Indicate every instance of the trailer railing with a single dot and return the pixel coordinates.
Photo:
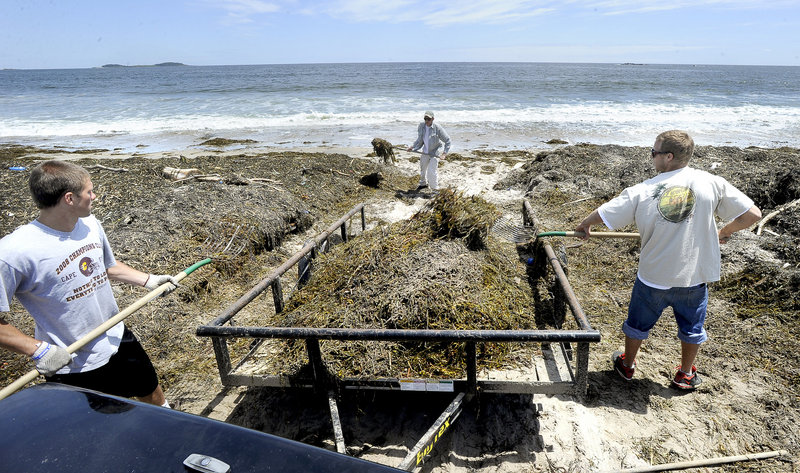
(561, 371)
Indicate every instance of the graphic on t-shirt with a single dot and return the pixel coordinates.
(86, 266)
(676, 203)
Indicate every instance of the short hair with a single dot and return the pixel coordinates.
(679, 143)
(50, 180)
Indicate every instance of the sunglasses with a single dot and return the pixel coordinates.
(427, 118)
(654, 153)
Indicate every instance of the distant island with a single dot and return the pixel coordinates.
(154, 65)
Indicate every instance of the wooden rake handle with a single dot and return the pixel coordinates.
(591, 235)
(412, 151)
(403, 148)
(103, 328)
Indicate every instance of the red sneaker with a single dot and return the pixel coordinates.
(686, 381)
(619, 366)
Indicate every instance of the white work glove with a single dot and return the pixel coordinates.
(156, 280)
(50, 358)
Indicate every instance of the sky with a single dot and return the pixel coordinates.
(40, 34)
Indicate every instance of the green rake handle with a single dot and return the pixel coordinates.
(105, 326)
(591, 235)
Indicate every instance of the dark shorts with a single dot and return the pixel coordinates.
(128, 373)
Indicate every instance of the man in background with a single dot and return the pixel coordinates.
(435, 144)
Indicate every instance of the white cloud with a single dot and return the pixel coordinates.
(448, 12)
(245, 7)
(242, 11)
(373, 10)
(437, 12)
(623, 7)
(479, 11)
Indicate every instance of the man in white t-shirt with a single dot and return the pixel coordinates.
(59, 267)
(680, 252)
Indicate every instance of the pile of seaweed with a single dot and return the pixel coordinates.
(600, 172)
(441, 269)
(162, 225)
(761, 273)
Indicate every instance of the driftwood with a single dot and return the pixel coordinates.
(236, 180)
(201, 178)
(105, 168)
(576, 201)
(772, 215)
(263, 179)
(177, 174)
(706, 462)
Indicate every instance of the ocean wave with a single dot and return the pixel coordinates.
(601, 122)
(589, 115)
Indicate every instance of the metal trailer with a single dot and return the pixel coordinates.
(562, 370)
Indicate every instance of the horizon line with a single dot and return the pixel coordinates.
(168, 64)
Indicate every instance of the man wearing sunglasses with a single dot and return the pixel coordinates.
(680, 247)
(433, 140)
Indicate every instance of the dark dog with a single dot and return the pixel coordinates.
(383, 149)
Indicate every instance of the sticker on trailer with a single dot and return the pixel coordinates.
(412, 385)
(439, 385)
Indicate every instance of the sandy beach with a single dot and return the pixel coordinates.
(749, 401)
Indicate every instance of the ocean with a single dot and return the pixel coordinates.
(496, 106)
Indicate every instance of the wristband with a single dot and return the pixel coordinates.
(44, 350)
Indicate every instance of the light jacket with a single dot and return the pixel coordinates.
(438, 136)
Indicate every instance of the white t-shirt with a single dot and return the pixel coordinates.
(426, 139)
(60, 278)
(674, 213)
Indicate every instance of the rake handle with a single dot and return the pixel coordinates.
(406, 149)
(591, 235)
(102, 328)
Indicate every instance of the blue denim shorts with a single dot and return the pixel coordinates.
(647, 304)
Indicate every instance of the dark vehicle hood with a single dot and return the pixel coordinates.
(52, 427)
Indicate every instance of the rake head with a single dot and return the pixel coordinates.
(226, 240)
(508, 230)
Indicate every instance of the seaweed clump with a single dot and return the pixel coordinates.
(384, 150)
(220, 142)
(438, 270)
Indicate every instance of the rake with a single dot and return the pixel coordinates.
(226, 247)
(591, 235)
(104, 327)
(224, 241)
(508, 230)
